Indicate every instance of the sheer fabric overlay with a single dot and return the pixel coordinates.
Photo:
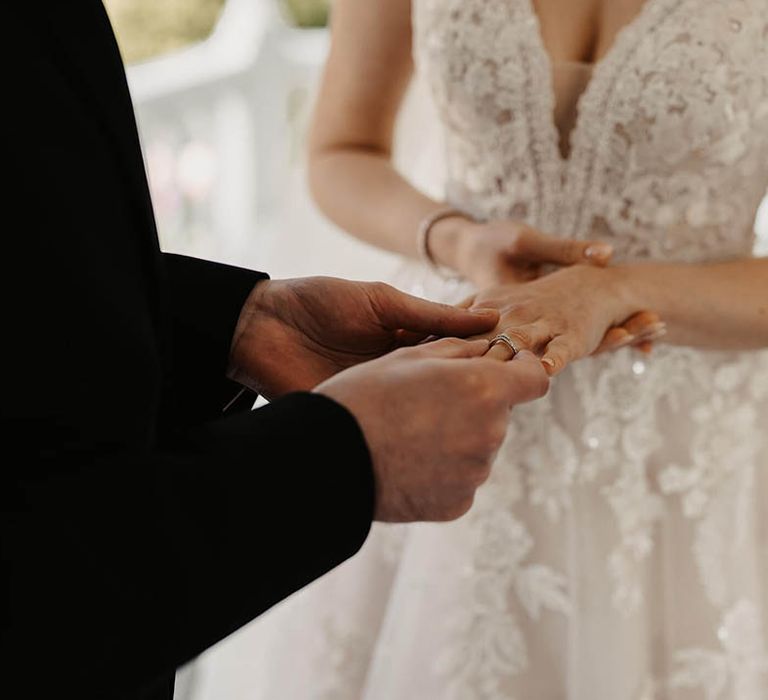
(620, 549)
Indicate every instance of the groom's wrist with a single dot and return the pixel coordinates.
(255, 304)
(257, 309)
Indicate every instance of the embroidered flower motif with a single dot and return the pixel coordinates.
(487, 644)
(739, 666)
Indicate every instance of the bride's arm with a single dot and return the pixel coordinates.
(350, 170)
(351, 173)
(717, 306)
(564, 315)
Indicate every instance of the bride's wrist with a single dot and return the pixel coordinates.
(633, 288)
(630, 284)
(447, 238)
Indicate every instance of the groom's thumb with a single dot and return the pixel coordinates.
(397, 309)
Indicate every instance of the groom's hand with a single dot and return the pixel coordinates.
(294, 334)
(434, 417)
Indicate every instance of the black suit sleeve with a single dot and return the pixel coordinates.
(120, 567)
(134, 537)
(204, 302)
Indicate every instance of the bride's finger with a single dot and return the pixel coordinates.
(501, 351)
(535, 246)
(649, 336)
(615, 339)
(522, 338)
(559, 354)
(643, 326)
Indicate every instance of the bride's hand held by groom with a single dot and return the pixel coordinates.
(433, 414)
(569, 314)
(294, 334)
(500, 255)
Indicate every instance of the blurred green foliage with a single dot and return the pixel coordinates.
(308, 13)
(148, 28)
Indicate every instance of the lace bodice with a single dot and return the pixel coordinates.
(669, 154)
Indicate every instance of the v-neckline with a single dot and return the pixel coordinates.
(599, 70)
(570, 178)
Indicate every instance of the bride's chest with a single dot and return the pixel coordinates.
(702, 64)
(583, 30)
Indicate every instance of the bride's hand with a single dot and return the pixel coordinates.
(506, 252)
(569, 314)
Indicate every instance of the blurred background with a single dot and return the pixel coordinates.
(223, 91)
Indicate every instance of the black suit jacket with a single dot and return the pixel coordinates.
(139, 524)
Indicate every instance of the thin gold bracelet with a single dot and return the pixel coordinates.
(422, 240)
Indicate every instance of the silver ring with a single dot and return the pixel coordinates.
(504, 338)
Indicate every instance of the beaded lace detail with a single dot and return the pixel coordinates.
(668, 154)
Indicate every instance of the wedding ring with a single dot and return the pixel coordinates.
(506, 340)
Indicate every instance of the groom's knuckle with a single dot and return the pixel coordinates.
(471, 444)
(487, 392)
(483, 473)
(483, 449)
(381, 287)
(381, 292)
(540, 385)
(496, 433)
(459, 507)
(471, 381)
(535, 384)
(471, 474)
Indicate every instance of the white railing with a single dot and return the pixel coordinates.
(222, 127)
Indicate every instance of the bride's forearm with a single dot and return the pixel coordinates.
(715, 305)
(360, 191)
(366, 77)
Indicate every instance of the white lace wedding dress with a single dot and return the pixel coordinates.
(620, 550)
